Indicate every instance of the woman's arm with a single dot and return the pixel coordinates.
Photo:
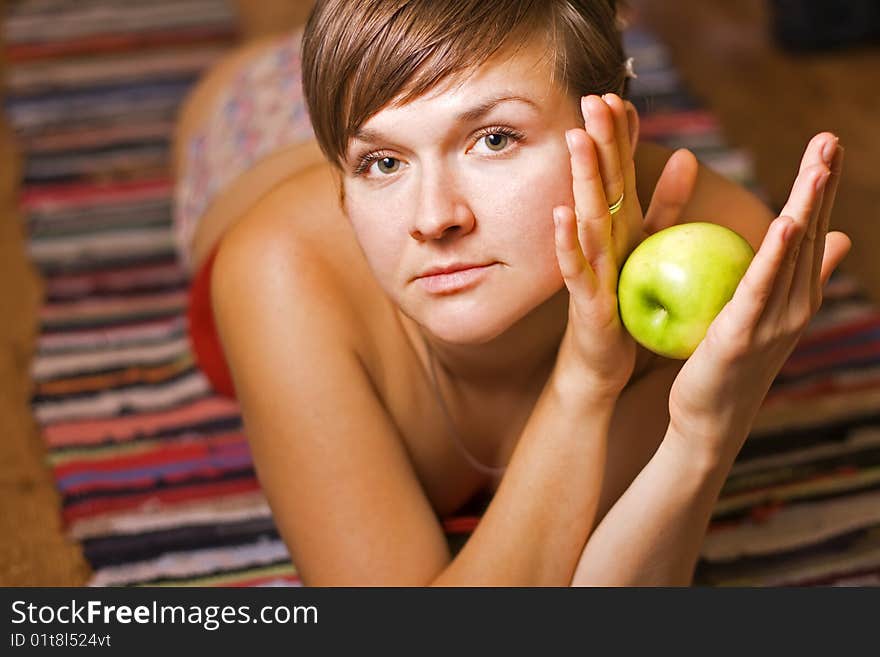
(652, 536)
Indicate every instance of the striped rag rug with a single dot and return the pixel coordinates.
(154, 470)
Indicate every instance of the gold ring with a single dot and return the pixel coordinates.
(612, 209)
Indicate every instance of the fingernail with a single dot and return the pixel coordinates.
(828, 150)
(569, 138)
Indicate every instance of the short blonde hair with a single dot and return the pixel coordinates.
(360, 55)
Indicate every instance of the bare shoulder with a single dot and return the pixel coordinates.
(296, 235)
(716, 198)
(279, 243)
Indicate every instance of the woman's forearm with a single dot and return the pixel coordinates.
(534, 530)
(653, 534)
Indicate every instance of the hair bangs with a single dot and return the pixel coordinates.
(360, 56)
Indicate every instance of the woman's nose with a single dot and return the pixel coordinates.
(441, 210)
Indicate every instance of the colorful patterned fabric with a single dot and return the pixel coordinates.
(262, 111)
(153, 468)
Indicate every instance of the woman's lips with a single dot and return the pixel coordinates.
(455, 281)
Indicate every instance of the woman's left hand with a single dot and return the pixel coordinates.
(719, 390)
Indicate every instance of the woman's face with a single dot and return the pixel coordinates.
(469, 173)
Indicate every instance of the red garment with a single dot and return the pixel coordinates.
(203, 338)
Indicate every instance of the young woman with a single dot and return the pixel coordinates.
(418, 307)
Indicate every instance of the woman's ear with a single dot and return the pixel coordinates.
(632, 119)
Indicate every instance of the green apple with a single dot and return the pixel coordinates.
(675, 283)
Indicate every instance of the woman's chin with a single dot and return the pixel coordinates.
(480, 321)
(474, 328)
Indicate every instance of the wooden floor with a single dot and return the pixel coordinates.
(33, 550)
(768, 101)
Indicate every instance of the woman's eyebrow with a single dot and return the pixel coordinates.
(478, 112)
(467, 116)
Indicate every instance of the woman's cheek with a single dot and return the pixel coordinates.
(540, 188)
(545, 171)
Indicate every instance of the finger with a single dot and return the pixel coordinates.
(756, 287)
(817, 157)
(837, 246)
(626, 165)
(802, 200)
(600, 125)
(590, 206)
(779, 300)
(822, 150)
(801, 206)
(624, 234)
(576, 271)
(804, 288)
(673, 192)
(813, 153)
(825, 222)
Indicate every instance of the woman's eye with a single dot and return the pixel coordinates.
(388, 165)
(496, 141)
